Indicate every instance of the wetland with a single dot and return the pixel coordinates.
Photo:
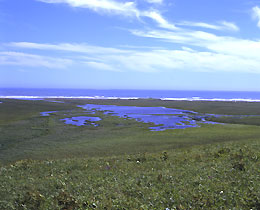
(46, 163)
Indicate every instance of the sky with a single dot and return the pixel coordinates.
(130, 44)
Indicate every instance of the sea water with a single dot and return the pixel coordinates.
(31, 93)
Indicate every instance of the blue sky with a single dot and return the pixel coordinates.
(127, 44)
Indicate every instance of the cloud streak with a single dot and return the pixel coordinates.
(110, 6)
(128, 9)
(79, 48)
(32, 60)
(100, 66)
(222, 26)
(217, 59)
(155, 1)
(256, 14)
(210, 42)
(157, 17)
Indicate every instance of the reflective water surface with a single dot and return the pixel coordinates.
(81, 120)
(47, 113)
(163, 118)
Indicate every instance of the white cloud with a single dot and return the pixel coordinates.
(155, 1)
(129, 9)
(198, 24)
(80, 48)
(220, 54)
(222, 26)
(210, 42)
(114, 7)
(256, 14)
(100, 66)
(157, 17)
(31, 60)
(229, 26)
(172, 60)
(119, 8)
(183, 36)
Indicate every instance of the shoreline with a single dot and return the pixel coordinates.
(130, 98)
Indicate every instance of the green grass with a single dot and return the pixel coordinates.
(121, 164)
(219, 176)
(14, 110)
(251, 120)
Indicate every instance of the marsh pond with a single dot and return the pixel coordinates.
(162, 118)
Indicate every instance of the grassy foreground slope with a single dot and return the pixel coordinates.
(46, 164)
(219, 176)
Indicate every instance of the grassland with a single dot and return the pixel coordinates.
(120, 164)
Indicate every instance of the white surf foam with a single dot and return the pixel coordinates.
(129, 98)
(211, 99)
(67, 97)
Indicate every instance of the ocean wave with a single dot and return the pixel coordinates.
(211, 99)
(66, 97)
(130, 98)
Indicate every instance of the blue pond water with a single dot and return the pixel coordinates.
(163, 118)
(81, 120)
(47, 113)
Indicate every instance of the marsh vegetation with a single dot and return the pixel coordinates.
(121, 164)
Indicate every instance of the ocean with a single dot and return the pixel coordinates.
(33, 93)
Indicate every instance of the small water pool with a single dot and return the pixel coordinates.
(81, 120)
(47, 113)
